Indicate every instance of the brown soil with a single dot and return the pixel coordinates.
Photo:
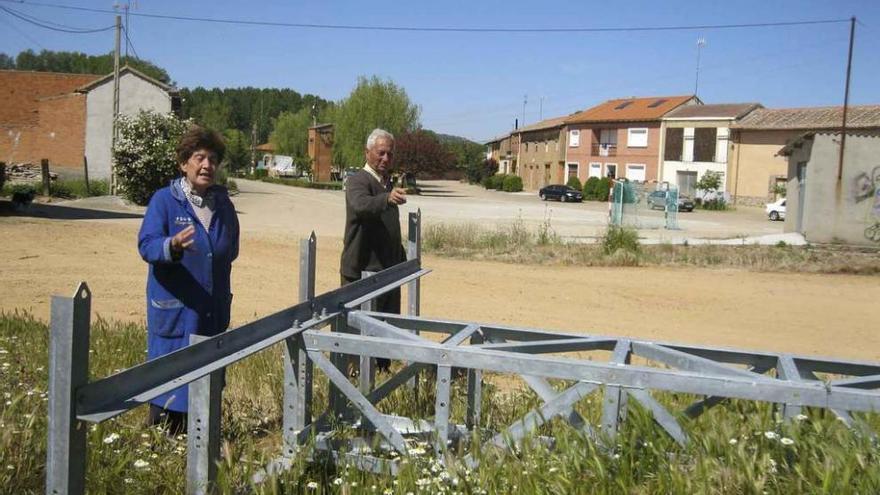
(830, 315)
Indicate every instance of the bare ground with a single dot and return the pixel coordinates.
(827, 315)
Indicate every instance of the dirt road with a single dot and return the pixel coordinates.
(830, 315)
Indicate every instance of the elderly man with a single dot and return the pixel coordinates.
(372, 222)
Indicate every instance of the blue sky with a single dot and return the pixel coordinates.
(472, 84)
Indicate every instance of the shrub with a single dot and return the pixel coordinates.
(260, 173)
(602, 189)
(512, 183)
(144, 153)
(574, 183)
(714, 204)
(498, 181)
(59, 189)
(620, 238)
(487, 182)
(591, 188)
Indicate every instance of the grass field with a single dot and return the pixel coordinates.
(740, 447)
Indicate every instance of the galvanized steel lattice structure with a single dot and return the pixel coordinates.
(359, 335)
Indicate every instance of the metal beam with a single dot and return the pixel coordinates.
(863, 382)
(753, 387)
(118, 393)
(553, 345)
(688, 362)
(203, 431)
(360, 402)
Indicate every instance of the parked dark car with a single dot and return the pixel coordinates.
(560, 192)
(657, 199)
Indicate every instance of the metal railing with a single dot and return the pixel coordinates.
(604, 149)
(359, 335)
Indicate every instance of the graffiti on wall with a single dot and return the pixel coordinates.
(866, 187)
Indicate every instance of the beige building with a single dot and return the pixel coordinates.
(502, 151)
(755, 167)
(541, 157)
(695, 140)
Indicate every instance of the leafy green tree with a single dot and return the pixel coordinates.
(80, 63)
(373, 103)
(709, 182)
(144, 153)
(238, 152)
(6, 62)
(291, 134)
(215, 115)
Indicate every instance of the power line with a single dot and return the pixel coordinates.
(130, 44)
(47, 24)
(353, 27)
(22, 33)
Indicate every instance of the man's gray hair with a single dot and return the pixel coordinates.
(376, 135)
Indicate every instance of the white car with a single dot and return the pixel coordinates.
(776, 209)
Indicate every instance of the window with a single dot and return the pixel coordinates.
(674, 144)
(596, 170)
(637, 137)
(704, 144)
(635, 171)
(574, 138)
(572, 170)
(623, 105)
(611, 170)
(657, 103)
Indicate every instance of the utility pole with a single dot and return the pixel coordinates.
(541, 109)
(701, 42)
(852, 35)
(113, 179)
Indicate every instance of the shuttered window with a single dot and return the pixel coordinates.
(674, 144)
(704, 144)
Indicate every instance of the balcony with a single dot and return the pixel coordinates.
(604, 149)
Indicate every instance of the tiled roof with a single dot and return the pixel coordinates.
(546, 124)
(109, 77)
(862, 116)
(795, 142)
(630, 109)
(716, 111)
(20, 90)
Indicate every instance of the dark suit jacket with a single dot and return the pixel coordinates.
(372, 228)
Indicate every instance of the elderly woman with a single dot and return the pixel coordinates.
(189, 237)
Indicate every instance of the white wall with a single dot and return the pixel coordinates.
(135, 94)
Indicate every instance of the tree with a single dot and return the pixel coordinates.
(421, 153)
(373, 103)
(291, 135)
(145, 153)
(238, 153)
(6, 62)
(80, 63)
(478, 171)
(215, 115)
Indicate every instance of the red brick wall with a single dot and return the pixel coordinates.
(321, 153)
(62, 131)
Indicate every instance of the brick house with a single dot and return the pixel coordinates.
(65, 117)
(502, 150)
(541, 154)
(620, 138)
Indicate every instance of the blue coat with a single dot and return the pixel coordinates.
(190, 295)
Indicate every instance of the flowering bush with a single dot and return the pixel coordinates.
(144, 153)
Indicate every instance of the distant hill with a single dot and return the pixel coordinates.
(466, 152)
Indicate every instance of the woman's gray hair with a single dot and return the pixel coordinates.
(376, 135)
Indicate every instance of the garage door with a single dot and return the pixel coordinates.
(635, 172)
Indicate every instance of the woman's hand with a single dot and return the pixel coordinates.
(183, 239)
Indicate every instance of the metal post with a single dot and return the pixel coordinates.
(414, 288)
(615, 400)
(441, 408)
(367, 363)
(203, 430)
(297, 365)
(474, 392)
(68, 370)
(44, 171)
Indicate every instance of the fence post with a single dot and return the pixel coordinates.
(474, 392)
(68, 370)
(203, 430)
(86, 173)
(297, 365)
(2, 173)
(44, 171)
(414, 288)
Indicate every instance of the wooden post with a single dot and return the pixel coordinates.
(86, 174)
(44, 170)
(2, 173)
